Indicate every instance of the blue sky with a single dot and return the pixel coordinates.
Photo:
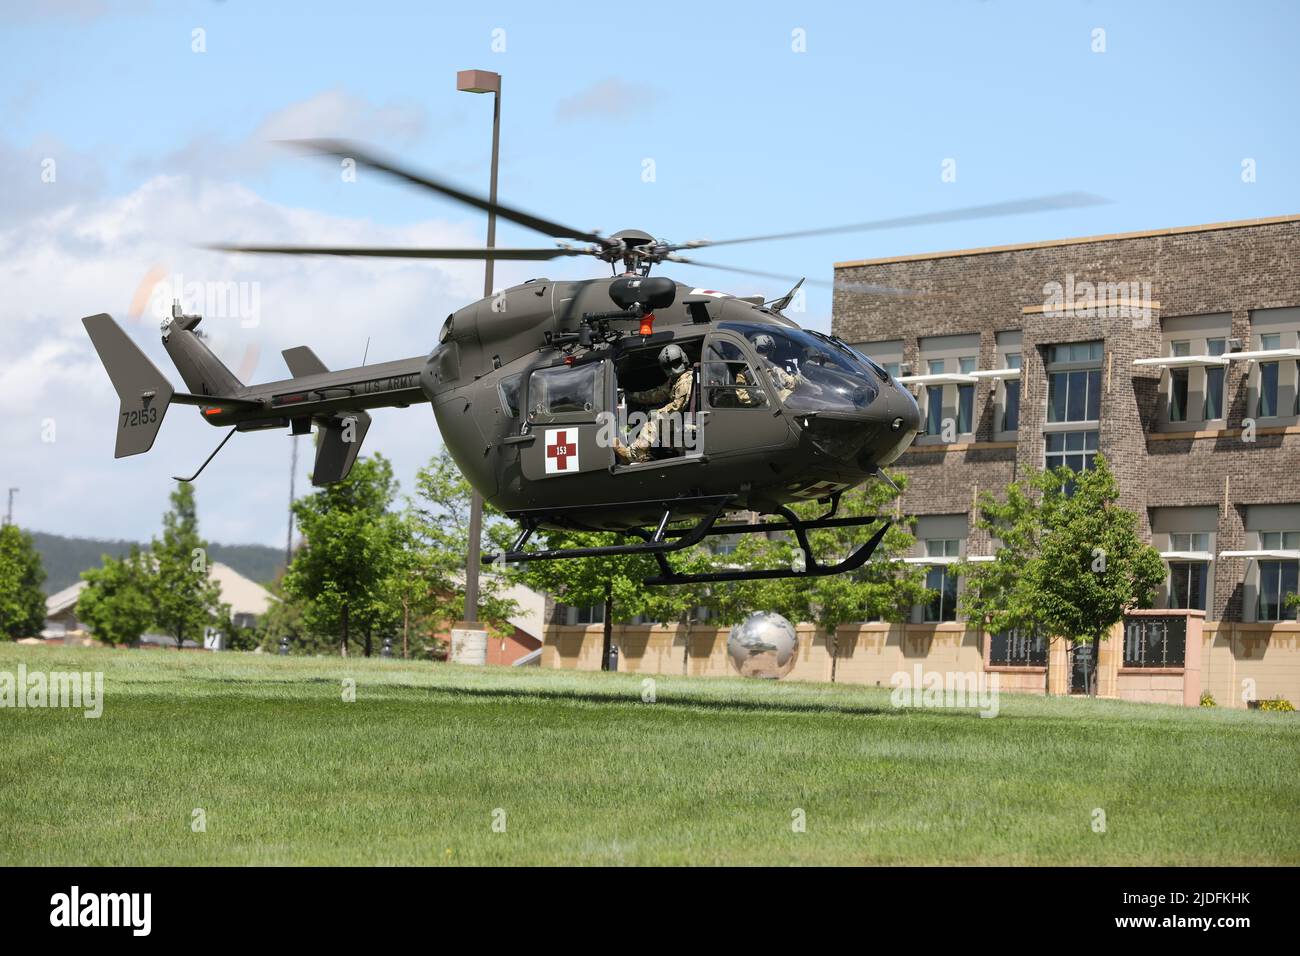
(746, 136)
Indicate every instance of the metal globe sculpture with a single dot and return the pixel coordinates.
(763, 645)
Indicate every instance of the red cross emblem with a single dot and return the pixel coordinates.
(819, 490)
(561, 451)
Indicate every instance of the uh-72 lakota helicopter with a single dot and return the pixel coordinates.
(532, 387)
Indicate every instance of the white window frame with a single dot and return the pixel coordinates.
(949, 363)
(1274, 340)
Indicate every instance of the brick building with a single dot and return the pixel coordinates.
(1175, 353)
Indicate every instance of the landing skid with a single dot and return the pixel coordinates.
(661, 542)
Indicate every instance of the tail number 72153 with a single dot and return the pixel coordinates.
(139, 416)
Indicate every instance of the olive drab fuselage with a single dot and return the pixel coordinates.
(487, 379)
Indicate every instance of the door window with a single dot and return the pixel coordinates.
(565, 390)
(729, 380)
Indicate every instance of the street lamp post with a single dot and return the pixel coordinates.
(481, 81)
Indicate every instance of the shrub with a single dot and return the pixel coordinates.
(1277, 704)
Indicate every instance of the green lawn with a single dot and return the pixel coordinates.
(711, 772)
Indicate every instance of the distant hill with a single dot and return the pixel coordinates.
(66, 558)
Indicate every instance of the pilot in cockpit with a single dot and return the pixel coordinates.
(785, 382)
(672, 397)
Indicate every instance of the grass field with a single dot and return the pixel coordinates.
(710, 773)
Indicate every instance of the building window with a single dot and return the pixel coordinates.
(1278, 579)
(934, 410)
(1075, 450)
(1011, 408)
(952, 403)
(1074, 396)
(592, 614)
(1073, 399)
(943, 606)
(1190, 541)
(1214, 379)
(1185, 538)
(1187, 584)
(1011, 396)
(1179, 380)
(1178, 383)
(966, 398)
(1006, 392)
(1274, 379)
(1193, 393)
(1074, 382)
(1268, 389)
(1018, 648)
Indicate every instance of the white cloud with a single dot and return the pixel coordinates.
(611, 99)
(332, 113)
(95, 255)
(44, 176)
(339, 113)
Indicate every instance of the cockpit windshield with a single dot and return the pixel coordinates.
(811, 372)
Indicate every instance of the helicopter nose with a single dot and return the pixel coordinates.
(901, 418)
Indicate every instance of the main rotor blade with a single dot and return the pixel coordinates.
(841, 285)
(345, 150)
(1014, 207)
(413, 253)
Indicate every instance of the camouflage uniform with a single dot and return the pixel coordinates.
(675, 395)
(785, 384)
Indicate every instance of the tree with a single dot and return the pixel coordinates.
(351, 541)
(117, 603)
(429, 578)
(22, 603)
(186, 599)
(1070, 560)
(616, 583)
(284, 621)
(883, 589)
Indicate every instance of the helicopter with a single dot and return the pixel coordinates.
(540, 389)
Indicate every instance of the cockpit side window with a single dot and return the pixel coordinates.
(729, 379)
(508, 392)
(810, 372)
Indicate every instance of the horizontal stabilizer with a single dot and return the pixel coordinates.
(338, 444)
(142, 390)
(214, 401)
(302, 361)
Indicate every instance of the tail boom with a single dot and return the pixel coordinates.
(335, 402)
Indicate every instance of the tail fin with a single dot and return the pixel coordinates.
(339, 441)
(201, 371)
(302, 361)
(143, 391)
